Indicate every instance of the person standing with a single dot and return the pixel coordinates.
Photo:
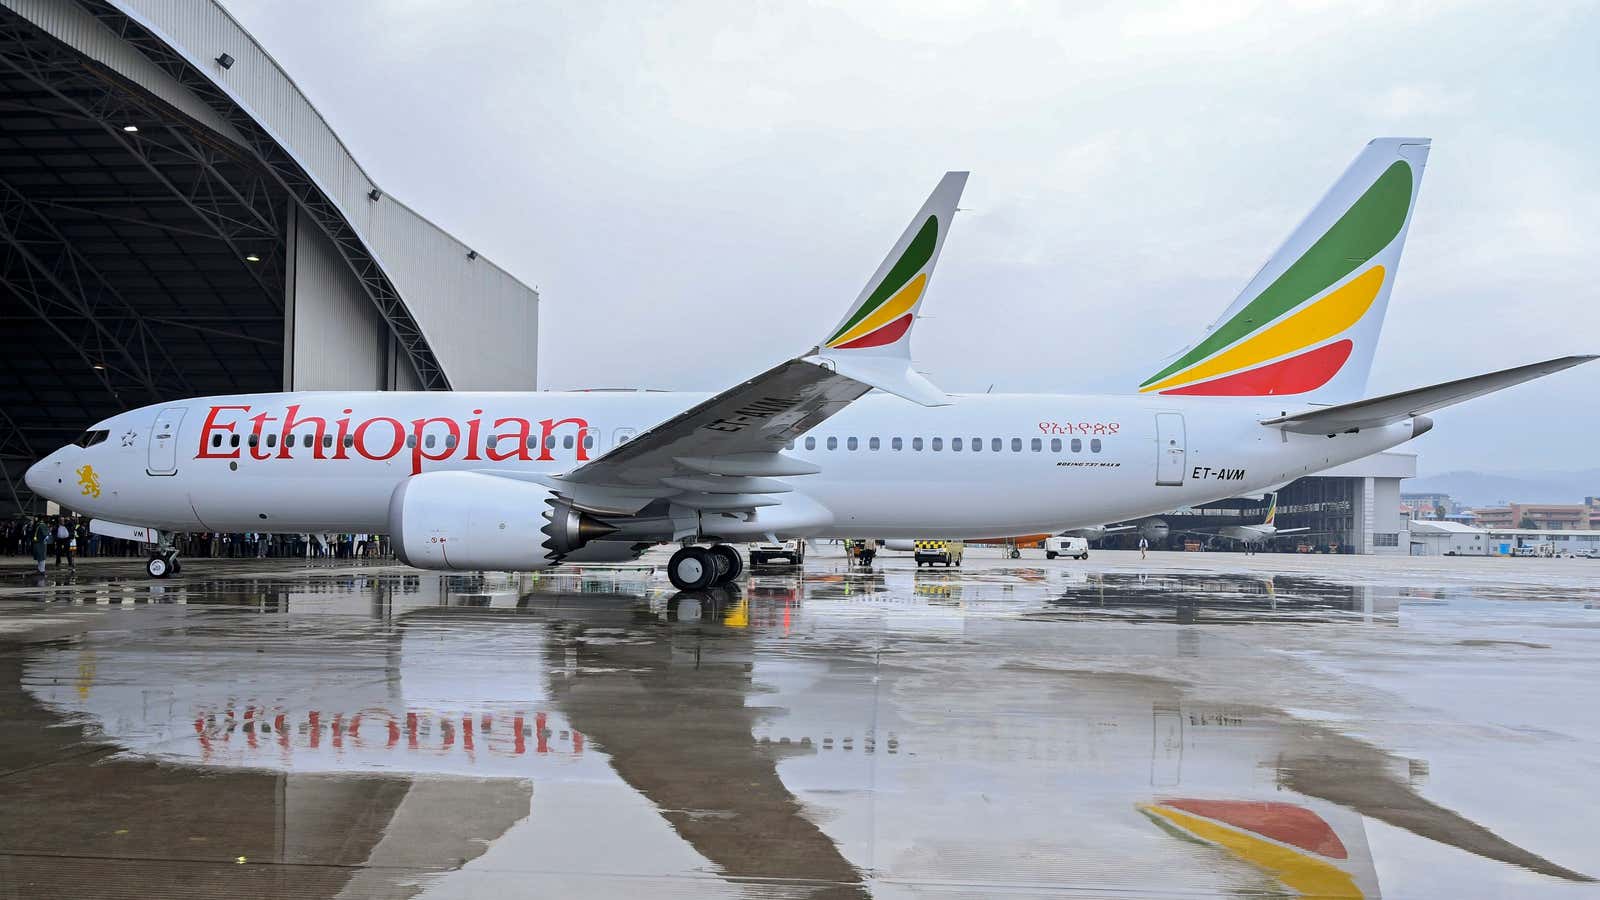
(62, 532)
(1144, 546)
(41, 543)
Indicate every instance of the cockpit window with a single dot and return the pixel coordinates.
(90, 438)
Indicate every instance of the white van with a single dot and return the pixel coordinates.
(794, 552)
(1061, 545)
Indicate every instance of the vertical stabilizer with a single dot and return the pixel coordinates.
(1308, 322)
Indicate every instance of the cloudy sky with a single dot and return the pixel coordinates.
(698, 189)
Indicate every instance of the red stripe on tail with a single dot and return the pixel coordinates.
(1295, 375)
(888, 334)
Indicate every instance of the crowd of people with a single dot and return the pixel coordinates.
(66, 539)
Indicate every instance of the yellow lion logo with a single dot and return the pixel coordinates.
(89, 481)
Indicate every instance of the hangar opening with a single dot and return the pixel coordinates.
(177, 220)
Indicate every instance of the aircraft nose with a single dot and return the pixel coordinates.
(41, 477)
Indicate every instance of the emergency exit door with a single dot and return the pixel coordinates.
(1170, 451)
(164, 442)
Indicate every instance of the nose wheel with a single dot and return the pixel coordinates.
(163, 565)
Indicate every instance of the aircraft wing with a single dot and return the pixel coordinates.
(1392, 408)
(1291, 530)
(726, 452)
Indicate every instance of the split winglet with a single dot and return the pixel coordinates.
(872, 343)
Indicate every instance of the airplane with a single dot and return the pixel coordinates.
(846, 438)
(1250, 535)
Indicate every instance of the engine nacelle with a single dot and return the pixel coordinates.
(469, 521)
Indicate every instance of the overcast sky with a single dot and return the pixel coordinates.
(699, 189)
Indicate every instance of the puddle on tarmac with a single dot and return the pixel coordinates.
(382, 732)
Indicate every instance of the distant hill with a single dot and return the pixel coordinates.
(1491, 488)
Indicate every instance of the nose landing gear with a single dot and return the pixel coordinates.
(163, 562)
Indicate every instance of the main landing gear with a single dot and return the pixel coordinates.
(698, 568)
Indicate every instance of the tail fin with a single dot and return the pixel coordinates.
(872, 343)
(1272, 509)
(1308, 322)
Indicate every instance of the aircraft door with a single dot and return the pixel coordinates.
(1170, 449)
(164, 442)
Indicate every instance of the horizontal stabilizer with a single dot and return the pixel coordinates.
(1392, 408)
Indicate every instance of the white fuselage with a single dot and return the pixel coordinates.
(889, 468)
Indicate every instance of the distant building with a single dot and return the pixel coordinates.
(1541, 516)
(1445, 538)
(1427, 504)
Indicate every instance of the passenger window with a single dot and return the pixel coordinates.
(255, 439)
(872, 443)
(1055, 445)
(566, 442)
(349, 441)
(896, 444)
(850, 444)
(1016, 445)
(811, 443)
(327, 441)
(1094, 445)
(216, 440)
(1038, 444)
(428, 441)
(1077, 445)
(955, 443)
(977, 445)
(233, 441)
(588, 442)
(833, 443)
(994, 444)
(550, 442)
(411, 440)
(288, 440)
(450, 441)
(916, 443)
(938, 443)
(533, 442)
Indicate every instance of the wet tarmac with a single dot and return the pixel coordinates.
(1186, 725)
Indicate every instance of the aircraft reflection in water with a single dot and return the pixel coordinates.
(791, 735)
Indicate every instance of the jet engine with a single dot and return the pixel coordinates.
(470, 521)
(1154, 530)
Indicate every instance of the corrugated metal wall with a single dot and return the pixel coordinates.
(339, 342)
(481, 323)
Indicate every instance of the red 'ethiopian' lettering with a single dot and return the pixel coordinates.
(419, 451)
(399, 437)
(212, 427)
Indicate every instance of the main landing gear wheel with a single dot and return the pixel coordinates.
(732, 564)
(693, 569)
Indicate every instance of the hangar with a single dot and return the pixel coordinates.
(176, 219)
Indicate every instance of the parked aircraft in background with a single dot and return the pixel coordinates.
(520, 481)
(1253, 535)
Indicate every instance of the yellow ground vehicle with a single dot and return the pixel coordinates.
(948, 552)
